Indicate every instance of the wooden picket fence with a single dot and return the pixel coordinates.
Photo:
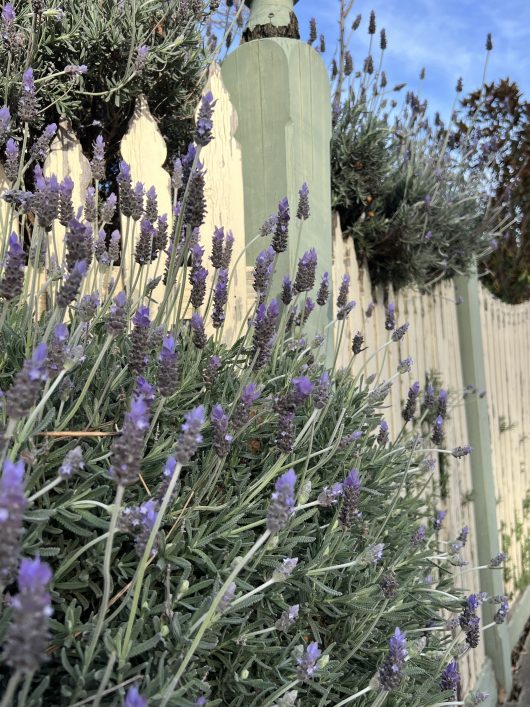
(433, 340)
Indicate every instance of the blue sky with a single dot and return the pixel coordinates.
(447, 37)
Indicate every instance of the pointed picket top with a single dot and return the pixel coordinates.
(66, 158)
(145, 151)
(224, 197)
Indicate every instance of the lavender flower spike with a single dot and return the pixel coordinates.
(450, 677)
(220, 298)
(221, 440)
(281, 232)
(28, 634)
(303, 203)
(12, 281)
(203, 129)
(167, 370)
(323, 292)
(242, 410)
(350, 496)
(134, 699)
(127, 449)
(410, 407)
(305, 275)
(391, 672)
(197, 330)
(22, 395)
(282, 503)
(12, 505)
(307, 662)
(190, 437)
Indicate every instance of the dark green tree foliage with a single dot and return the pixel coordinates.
(128, 48)
(496, 121)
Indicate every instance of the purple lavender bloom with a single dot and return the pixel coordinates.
(390, 321)
(499, 559)
(357, 343)
(281, 231)
(203, 129)
(350, 439)
(12, 506)
(442, 403)
(218, 239)
(151, 205)
(322, 391)
(66, 207)
(369, 310)
(227, 598)
(57, 350)
(79, 245)
(268, 226)
(134, 699)
(410, 406)
(382, 437)
(450, 678)
(302, 389)
(76, 69)
(287, 618)
(139, 340)
(117, 315)
(302, 212)
(463, 535)
(323, 292)
(201, 701)
(127, 448)
(211, 370)
(222, 441)
(265, 332)
(141, 58)
(5, 117)
(228, 249)
(22, 395)
(125, 189)
(307, 662)
(428, 397)
(419, 536)
(190, 437)
(144, 246)
(46, 198)
(405, 366)
(139, 522)
(391, 672)
(470, 622)
(287, 290)
(41, 147)
(263, 270)
(330, 494)
(27, 102)
(12, 282)
(241, 415)
(72, 463)
(167, 370)
(305, 274)
(438, 431)
(285, 570)
(12, 157)
(220, 298)
(342, 298)
(400, 332)
(502, 612)
(8, 14)
(137, 201)
(28, 633)
(197, 329)
(97, 163)
(438, 520)
(161, 235)
(460, 452)
(349, 513)
(282, 502)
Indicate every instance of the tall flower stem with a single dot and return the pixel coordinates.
(354, 697)
(107, 579)
(88, 381)
(138, 580)
(209, 615)
(7, 699)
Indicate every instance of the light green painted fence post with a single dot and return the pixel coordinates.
(281, 92)
(497, 642)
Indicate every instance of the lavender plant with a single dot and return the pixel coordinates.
(188, 522)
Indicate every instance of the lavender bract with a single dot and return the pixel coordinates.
(282, 503)
(391, 672)
(12, 505)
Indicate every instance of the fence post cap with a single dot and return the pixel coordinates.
(275, 12)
